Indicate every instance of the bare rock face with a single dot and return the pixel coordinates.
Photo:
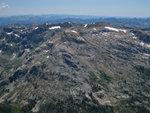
(95, 66)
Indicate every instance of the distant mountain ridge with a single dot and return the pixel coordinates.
(41, 19)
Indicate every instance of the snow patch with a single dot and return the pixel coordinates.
(47, 56)
(147, 45)
(112, 29)
(134, 37)
(46, 51)
(94, 29)
(105, 34)
(85, 25)
(80, 38)
(0, 51)
(69, 23)
(36, 28)
(73, 31)
(141, 43)
(148, 55)
(14, 56)
(115, 29)
(27, 50)
(9, 33)
(54, 27)
(17, 35)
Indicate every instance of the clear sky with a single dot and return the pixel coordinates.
(119, 8)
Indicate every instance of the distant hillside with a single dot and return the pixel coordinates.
(30, 19)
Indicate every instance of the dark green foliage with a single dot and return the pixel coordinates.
(3, 61)
(17, 75)
(34, 70)
(95, 88)
(8, 50)
(143, 70)
(8, 64)
(20, 53)
(104, 76)
(5, 108)
(128, 106)
(93, 77)
(95, 82)
(3, 83)
(35, 36)
(70, 105)
(28, 108)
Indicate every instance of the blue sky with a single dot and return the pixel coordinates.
(119, 8)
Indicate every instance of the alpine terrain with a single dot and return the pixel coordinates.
(74, 68)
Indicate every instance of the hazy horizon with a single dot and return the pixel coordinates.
(71, 15)
(106, 8)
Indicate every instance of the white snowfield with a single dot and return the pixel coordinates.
(115, 29)
(54, 27)
(144, 44)
(141, 43)
(36, 28)
(10, 33)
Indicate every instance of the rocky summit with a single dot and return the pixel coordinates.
(74, 68)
